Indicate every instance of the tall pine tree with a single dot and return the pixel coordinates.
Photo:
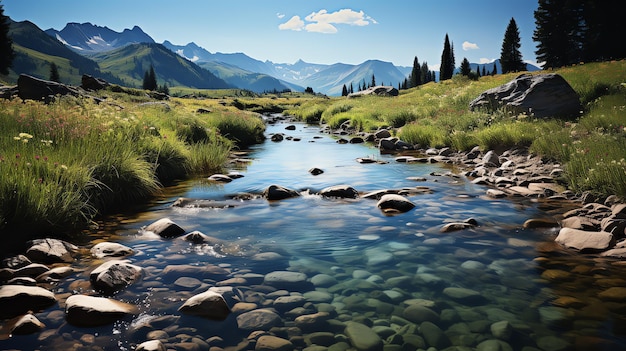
(54, 73)
(6, 44)
(415, 79)
(149, 79)
(510, 56)
(446, 69)
(465, 67)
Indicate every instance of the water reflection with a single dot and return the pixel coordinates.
(491, 286)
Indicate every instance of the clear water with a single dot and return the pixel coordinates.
(548, 295)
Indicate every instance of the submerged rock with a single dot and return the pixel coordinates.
(114, 275)
(208, 304)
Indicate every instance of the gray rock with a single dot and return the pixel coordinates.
(51, 251)
(17, 300)
(273, 343)
(584, 240)
(362, 337)
(259, 319)
(89, 311)
(379, 90)
(418, 314)
(393, 203)
(491, 159)
(434, 336)
(502, 330)
(465, 296)
(341, 191)
(15, 262)
(544, 95)
(208, 304)
(166, 228)
(493, 345)
(114, 275)
(107, 249)
(286, 279)
(277, 192)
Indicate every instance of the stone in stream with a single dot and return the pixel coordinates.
(584, 240)
(151, 345)
(220, 178)
(340, 191)
(51, 251)
(208, 304)
(107, 249)
(259, 319)
(273, 343)
(114, 275)
(277, 192)
(166, 228)
(362, 337)
(393, 203)
(90, 311)
(17, 300)
(288, 280)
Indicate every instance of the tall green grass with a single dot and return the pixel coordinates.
(63, 164)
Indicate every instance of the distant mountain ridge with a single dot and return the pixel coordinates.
(106, 46)
(88, 38)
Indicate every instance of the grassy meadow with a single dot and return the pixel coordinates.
(64, 164)
(592, 148)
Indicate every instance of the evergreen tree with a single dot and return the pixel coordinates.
(373, 80)
(424, 72)
(465, 67)
(477, 72)
(149, 80)
(344, 90)
(557, 32)
(6, 44)
(446, 68)
(416, 74)
(495, 69)
(351, 88)
(484, 72)
(510, 56)
(54, 73)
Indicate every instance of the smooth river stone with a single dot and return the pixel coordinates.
(362, 337)
(89, 311)
(581, 240)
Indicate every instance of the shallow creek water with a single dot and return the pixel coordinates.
(514, 284)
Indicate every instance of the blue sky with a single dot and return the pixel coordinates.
(319, 31)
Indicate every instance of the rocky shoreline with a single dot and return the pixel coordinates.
(297, 310)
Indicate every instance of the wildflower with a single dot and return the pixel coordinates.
(17, 138)
(17, 156)
(25, 141)
(25, 136)
(63, 167)
(37, 157)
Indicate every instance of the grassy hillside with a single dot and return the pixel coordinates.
(132, 61)
(437, 114)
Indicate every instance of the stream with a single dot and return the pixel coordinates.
(495, 286)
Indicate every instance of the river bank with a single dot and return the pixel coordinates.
(460, 269)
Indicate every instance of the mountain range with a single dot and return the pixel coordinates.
(124, 57)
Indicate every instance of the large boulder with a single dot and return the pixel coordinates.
(90, 311)
(17, 300)
(379, 90)
(543, 95)
(92, 83)
(31, 88)
(584, 240)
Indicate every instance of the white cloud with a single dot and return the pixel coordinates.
(294, 23)
(280, 15)
(486, 60)
(324, 22)
(321, 27)
(469, 46)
